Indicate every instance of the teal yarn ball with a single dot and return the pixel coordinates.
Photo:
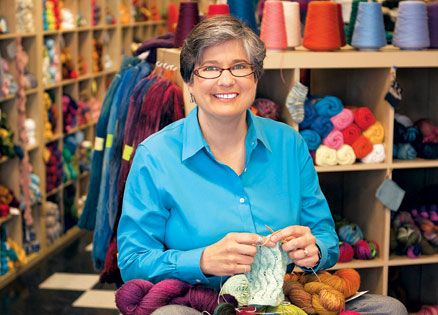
(350, 233)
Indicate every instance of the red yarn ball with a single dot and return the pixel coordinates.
(349, 313)
(346, 252)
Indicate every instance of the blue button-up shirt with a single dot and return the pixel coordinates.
(179, 199)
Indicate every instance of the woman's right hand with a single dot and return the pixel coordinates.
(233, 254)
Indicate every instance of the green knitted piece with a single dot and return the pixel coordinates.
(237, 286)
(266, 276)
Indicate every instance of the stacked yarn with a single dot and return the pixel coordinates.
(95, 13)
(11, 254)
(70, 163)
(341, 135)
(84, 111)
(323, 293)
(266, 108)
(414, 139)
(96, 56)
(24, 16)
(35, 192)
(84, 156)
(50, 116)
(7, 201)
(51, 73)
(30, 241)
(69, 112)
(68, 66)
(353, 242)
(70, 210)
(53, 221)
(68, 20)
(143, 297)
(52, 157)
(30, 126)
(6, 137)
(51, 15)
(8, 85)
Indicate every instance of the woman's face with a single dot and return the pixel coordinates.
(226, 96)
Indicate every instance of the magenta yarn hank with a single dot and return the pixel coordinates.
(141, 297)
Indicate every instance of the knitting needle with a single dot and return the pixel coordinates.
(273, 232)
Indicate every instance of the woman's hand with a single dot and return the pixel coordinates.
(300, 245)
(233, 254)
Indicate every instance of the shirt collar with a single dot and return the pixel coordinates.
(194, 140)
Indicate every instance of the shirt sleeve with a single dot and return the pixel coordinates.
(315, 212)
(141, 230)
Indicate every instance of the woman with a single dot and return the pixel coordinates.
(202, 190)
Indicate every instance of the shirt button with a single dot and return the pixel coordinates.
(242, 200)
(244, 169)
(198, 281)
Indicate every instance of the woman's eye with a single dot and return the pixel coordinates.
(240, 66)
(211, 68)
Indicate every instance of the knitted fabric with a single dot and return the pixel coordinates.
(266, 276)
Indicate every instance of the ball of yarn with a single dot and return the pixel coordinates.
(366, 249)
(225, 309)
(294, 291)
(350, 233)
(349, 313)
(237, 286)
(287, 309)
(267, 108)
(346, 252)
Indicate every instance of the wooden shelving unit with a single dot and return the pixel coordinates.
(117, 39)
(359, 78)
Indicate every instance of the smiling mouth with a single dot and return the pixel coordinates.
(226, 96)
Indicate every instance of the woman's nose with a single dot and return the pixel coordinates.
(226, 78)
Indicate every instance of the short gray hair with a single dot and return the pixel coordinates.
(217, 30)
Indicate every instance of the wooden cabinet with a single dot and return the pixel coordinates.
(361, 79)
(116, 39)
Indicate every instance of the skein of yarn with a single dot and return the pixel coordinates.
(291, 11)
(188, 18)
(273, 31)
(432, 14)
(369, 31)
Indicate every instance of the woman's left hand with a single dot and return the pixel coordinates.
(300, 245)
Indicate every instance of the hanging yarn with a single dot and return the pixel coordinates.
(291, 12)
(325, 156)
(343, 119)
(365, 249)
(143, 297)
(334, 140)
(188, 18)
(295, 101)
(411, 28)
(328, 106)
(312, 138)
(273, 31)
(350, 233)
(244, 11)
(377, 155)
(432, 17)
(369, 31)
(346, 252)
(345, 155)
(321, 32)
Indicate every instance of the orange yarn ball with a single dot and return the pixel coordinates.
(352, 281)
(296, 294)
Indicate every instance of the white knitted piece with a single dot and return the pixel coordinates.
(267, 275)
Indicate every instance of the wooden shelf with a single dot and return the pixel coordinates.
(360, 264)
(417, 163)
(15, 35)
(405, 261)
(352, 167)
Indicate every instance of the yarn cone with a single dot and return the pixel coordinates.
(273, 31)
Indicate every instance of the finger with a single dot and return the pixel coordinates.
(247, 250)
(243, 260)
(250, 239)
(293, 230)
(243, 268)
(299, 254)
(305, 241)
(308, 262)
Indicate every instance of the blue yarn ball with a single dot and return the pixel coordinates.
(350, 233)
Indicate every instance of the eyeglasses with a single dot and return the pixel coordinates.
(213, 72)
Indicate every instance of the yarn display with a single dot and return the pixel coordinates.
(54, 172)
(97, 62)
(143, 297)
(266, 108)
(8, 85)
(70, 162)
(51, 15)
(24, 16)
(324, 293)
(412, 140)
(6, 137)
(51, 73)
(96, 13)
(68, 19)
(69, 112)
(30, 126)
(346, 252)
(35, 192)
(339, 131)
(7, 201)
(83, 113)
(84, 156)
(68, 66)
(70, 211)
(11, 254)
(53, 221)
(50, 115)
(4, 28)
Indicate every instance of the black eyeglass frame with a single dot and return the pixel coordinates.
(196, 71)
